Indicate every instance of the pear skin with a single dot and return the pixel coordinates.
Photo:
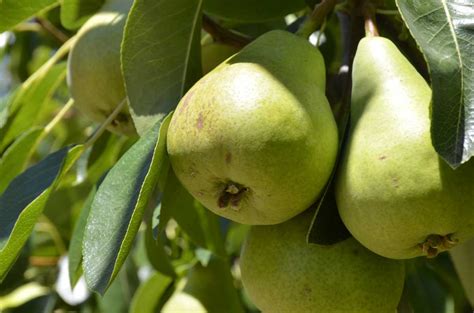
(255, 139)
(94, 76)
(283, 273)
(394, 194)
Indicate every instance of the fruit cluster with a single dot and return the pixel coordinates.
(255, 141)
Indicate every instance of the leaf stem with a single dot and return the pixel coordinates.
(316, 18)
(224, 35)
(104, 125)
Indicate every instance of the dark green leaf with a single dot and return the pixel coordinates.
(24, 200)
(16, 156)
(156, 253)
(103, 156)
(149, 294)
(74, 13)
(118, 207)
(160, 56)
(16, 11)
(327, 227)
(200, 224)
(444, 30)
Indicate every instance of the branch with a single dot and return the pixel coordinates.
(224, 35)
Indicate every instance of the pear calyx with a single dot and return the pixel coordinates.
(435, 244)
(231, 194)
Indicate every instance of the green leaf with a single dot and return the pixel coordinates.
(119, 205)
(327, 227)
(24, 199)
(155, 250)
(118, 297)
(160, 56)
(149, 294)
(74, 13)
(432, 287)
(75, 246)
(16, 156)
(444, 30)
(103, 155)
(213, 286)
(201, 225)
(16, 11)
(29, 102)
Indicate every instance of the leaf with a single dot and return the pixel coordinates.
(200, 224)
(22, 295)
(29, 102)
(74, 13)
(118, 297)
(15, 11)
(445, 32)
(75, 246)
(16, 156)
(433, 286)
(103, 155)
(149, 294)
(119, 205)
(160, 56)
(24, 200)
(155, 250)
(327, 227)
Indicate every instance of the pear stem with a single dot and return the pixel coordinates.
(224, 35)
(316, 18)
(371, 29)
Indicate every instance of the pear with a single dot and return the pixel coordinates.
(255, 139)
(283, 273)
(251, 10)
(94, 76)
(463, 259)
(394, 194)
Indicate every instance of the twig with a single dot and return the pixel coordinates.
(53, 30)
(224, 35)
(104, 125)
(316, 18)
(59, 116)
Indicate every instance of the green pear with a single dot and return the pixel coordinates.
(94, 76)
(214, 53)
(283, 273)
(463, 259)
(206, 289)
(394, 194)
(255, 139)
(251, 10)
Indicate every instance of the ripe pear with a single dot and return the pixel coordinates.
(463, 259)
(394, 194)
(251, 10)
(283, 273)
(255, 139)
(94, 76)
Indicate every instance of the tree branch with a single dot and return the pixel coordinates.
(224, 35)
